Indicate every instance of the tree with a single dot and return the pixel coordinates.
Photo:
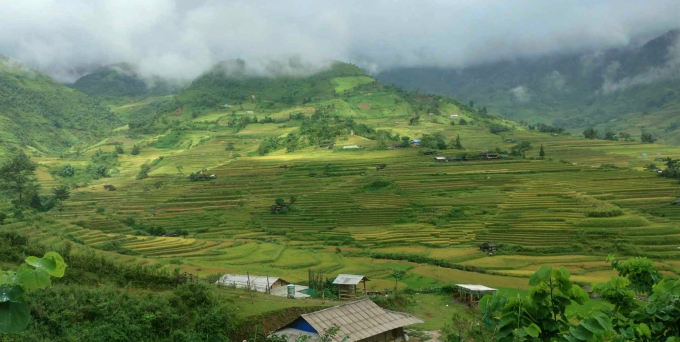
(280, 201)
(230, 146)
(292, 142)
(292, 199)
(119, 149)
(541, 153)
(521, 148)
(61, 193)
(647, 137)
(17, 177)
(405, 141)
(609, 135)
(472, 104)
(462, 122)
(180, 168)
(3, 216)
(144, 171)
(398, 275)
(590, 133)
(268, 144)
(457, 145)
(135, 150)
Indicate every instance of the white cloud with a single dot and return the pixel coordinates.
(181, 39)
(521, 94)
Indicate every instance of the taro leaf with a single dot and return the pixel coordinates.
(33, 279)
(8, 277)
(581, 333)
(604, 321)
(13, 310)
(532, 330)
(543, 274)
(643, 330)
(51, 262)
(593, 325)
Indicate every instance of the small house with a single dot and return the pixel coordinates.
(109, 187)
(415, 142)
(440, 159)
(488, 247)
(473, 293)
(254, 282)
(249, 112)
(359, 321)
(347, 285)
(453, 116)
(351, 147)
(226, 105)
(488, 155)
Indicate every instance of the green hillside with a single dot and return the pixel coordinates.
(623, 90)
(36, 112)
(119, 82)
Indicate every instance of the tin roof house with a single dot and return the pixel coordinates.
(358, 321)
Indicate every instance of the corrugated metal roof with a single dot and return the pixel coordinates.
(475, 287)
(356, 321)
(257, 283)
(349, 279)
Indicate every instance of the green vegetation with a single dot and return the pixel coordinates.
(49, 117)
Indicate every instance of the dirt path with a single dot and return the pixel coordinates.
(434, 335)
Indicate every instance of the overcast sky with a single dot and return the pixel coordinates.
(181, 39)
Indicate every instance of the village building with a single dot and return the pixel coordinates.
(272, 285)
(359, 321)
(440, 159)
(351, 147)
(347, 285)
(472, 293)
(415, 142)
(488, 247)
(488, 155)
(249, 112)
(454, 116)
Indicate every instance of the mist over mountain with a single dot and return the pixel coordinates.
(181, 40)
(625, 89)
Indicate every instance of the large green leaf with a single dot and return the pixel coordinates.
(13, 310)
(51, 262)
(532, 330)
(593, 325)
(543, 274)
(581, 333)
(33, 279)
(604, 320)
(643, 330)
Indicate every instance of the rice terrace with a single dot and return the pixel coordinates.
(298, 201)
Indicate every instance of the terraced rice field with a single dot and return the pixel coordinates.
(441, 211)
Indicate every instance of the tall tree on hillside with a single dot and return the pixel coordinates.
(590, 133)
(61, 193)
(457, 145)
(541, 153)
(647, 137)
(17, 177)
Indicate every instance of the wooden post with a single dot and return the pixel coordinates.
(249, 289)
(268, 290)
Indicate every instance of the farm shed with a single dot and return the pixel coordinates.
(488, 247)
(488, 155)
(440, 159)
(415, 142)
(254, 282)
(472, 293)
(359, 321)
(347, 285)
(350, 147)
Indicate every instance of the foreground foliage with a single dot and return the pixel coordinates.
(542, 315)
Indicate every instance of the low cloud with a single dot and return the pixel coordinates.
(182, 39)
(670, 70)
(556, 80)
(521, 94)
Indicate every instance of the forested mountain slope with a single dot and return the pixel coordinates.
(120, 81)
(38, 112)
(630, 89)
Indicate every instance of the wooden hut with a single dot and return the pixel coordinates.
(473, 293)
(359, 321)
(347, 286)
(254, 282)
(488, 247)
